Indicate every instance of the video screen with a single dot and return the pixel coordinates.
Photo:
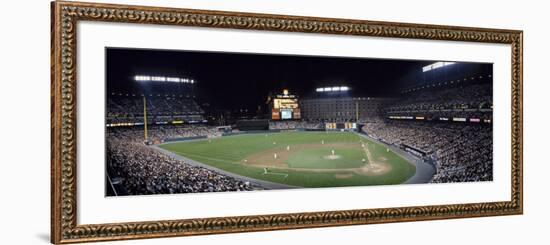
(286, 114)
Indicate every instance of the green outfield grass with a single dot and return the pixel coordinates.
(315, 158)
(306, 163)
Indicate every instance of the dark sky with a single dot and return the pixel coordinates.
(238, 80)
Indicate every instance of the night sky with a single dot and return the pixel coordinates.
(238, 80)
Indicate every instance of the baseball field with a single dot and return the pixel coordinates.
(301, 159)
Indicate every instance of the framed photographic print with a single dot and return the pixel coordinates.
(175, 122)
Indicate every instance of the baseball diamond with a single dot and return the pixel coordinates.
(302, 160)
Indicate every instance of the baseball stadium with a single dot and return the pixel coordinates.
(192, 122)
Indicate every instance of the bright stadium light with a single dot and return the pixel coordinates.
(158, 79)
(173, 79)
(333, 89)
(436, 65)
(144, 78)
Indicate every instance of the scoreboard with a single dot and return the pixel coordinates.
(340, 126)
(285, 107)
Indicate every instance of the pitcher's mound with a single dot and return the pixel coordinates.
(332, 157)
(374, 168)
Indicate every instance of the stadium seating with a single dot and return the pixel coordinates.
(147, 171)
(286, 125)
(471, 100)
(160, 108)
(461, 151)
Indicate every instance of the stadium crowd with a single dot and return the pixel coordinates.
(144, 170)
(285, 125)
(159, 133)
(461, 152)
(473, 100)
(129, 107)
(166, 132)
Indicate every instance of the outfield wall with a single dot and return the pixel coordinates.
(184, 138)
(239, 133)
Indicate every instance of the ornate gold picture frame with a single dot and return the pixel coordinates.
(66, 15)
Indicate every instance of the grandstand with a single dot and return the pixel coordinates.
(162, 109)
(448, 122)
(146, 171)
(343, 109)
